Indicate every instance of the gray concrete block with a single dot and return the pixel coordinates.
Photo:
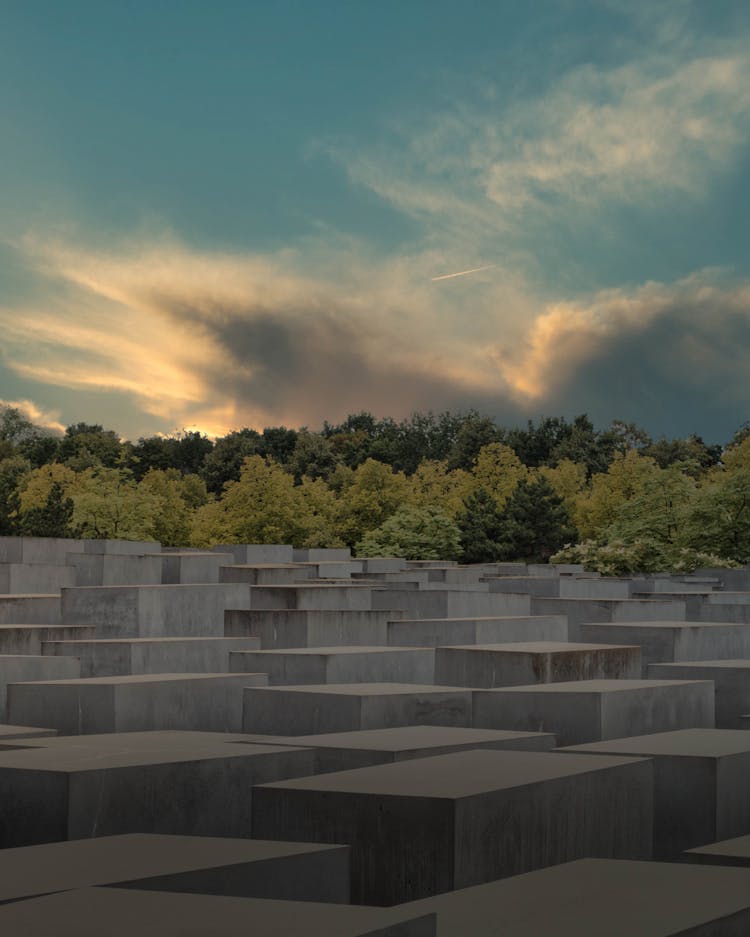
(193, 567)
(450, 603)
(15, 668)
(321, 554)
(186, 610)
(591, 710)
(105, 657)
(257, 552)
(578, 587)
(528, 585)
(582, 611)
(13, 733)
(523, 663)
(341, 707)
(313, 596)
(354, 664)
(343, 751)
(596, 897)
(121, 912)
(426, 826)
(121, 547)
(28, 639)
(159, 782)
(244, 868)
(38, 549)
(34, 578)
(207, 702)
(266, 574)
(382, 564)
(731, 680)
(108, 569)
(291, 628)
(735, 851)
(434, 632)
(30, 610)
(670, 641)
(701, 793)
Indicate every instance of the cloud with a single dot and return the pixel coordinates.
(45, 419)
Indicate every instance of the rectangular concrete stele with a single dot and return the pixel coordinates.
(155, 782)
(20, 578)
(208, 702)
(15, 668)
(193, 567)
(731, 680)
(701, 793)
(121, 912)
(429, 825)
(357, 664)
(30, 610)
(241, 867)
(523, 663)
(38, 549)
(293, 628)
(312, 596)
(28, 639)
(383, 564)
(257, 552)
(105, 657)
(342, 751)
(342, 707)
(451, 603)
(583, 611)
(434, 632)
(266, 574)
(185, 610)
(670, 641)
(592, 710)
(530, 585)
(122, 547)
(13, 733)
(598, 897)
(601, 588)
(105, 569)
(735, 851)
(322, 554)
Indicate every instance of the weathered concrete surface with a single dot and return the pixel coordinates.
(592, 710)
(265, 574)
(597, 897)
(15, 668)
(451, 603)
(201, 864)
(205, 702)
(292, 628)
(425, 826)
(357, 664)
(155, 782)
(735, 851)
(106, 569)
(30, 610)
(583, 611)
(104, 657)
(701, 793)
(668, 641)
(523, 663)
(28, 639)
(252, 553)
(193, 567)
(350, 596)
(434, 632)
(20, 578)
(52, 550)
(9, 734)
(93, 912)
(731, 680)
(341, 707)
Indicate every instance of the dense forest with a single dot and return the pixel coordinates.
(454, 486)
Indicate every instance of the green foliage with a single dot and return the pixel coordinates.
(373, 494)
(534, 523)
(413, 533)
(480, 528)
(618, 558)
(54, 519)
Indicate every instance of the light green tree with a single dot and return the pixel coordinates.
(414, 533)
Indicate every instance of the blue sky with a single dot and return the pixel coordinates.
(242, 213)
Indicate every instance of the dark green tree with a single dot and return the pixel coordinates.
(534, 523)
(480, 527)
(55, 519)
(474, 433)
(224, 463)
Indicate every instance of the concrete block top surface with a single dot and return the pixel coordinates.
(737, 848)
(138, 679)
(11, 733)
(30, 595)
(541, 647)
(335, 649)
(592, 686)
(455, 776)
(363, 689)
(125, 912)
(401, 738)
(636, 625)
(705, 665)
(695, 743)
(596, 898)
(51, 867)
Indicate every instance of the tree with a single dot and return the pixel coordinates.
(498, 470)
(224, 463)
(475, 432)
(88, 445)
(658, 511)
(55, 519)
(432, 485)
(312, 456)
(175, 496)
(373, 493)
(719, 521)
(109, 504)
(480, 528)
(13, 470)
(599, 507)
(534, 523)
(413, 533)
(568, 479)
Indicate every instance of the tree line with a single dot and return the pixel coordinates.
(449, 485)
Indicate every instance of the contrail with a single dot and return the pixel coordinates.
(462, 273)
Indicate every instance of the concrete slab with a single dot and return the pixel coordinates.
(596, 897)
(34, 577)
(701, 793)
(582, 611)
(38, 549)
(193, 566)
(668, 641)
(526, 662)
(450, 603)
(175, 783)
(113, 656)
(28, 639)
(243, 868)
(15, 668)
(342, 751)
(731, 680)
(357, 664)
(163, 611)
(592, 710)
(257, 552)
(122, 912)
(435, 632)
(342, 707)
(426, 826)
(107, 569)
(13, 733)
(735, 851)
(293, 628)
(209, 702)
(30, 609)
(313, 596)
(266, 574)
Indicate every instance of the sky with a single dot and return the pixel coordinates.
(263, 212)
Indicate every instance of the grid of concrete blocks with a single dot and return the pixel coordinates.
(259, 740)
